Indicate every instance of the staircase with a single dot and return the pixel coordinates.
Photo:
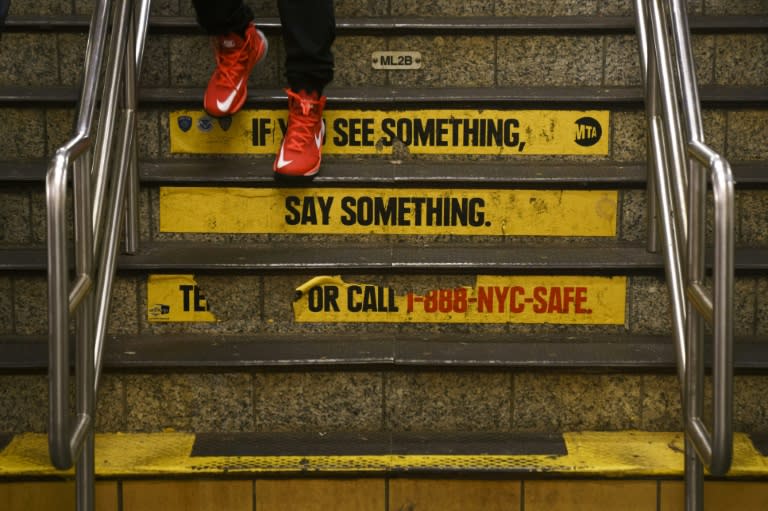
(471, 321)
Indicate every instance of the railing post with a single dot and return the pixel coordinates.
(672, 101)
(71, 442)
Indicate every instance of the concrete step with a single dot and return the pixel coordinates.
(273, 211)
(495, 51)
(421, 300)
(375, 400)
(377, 454)
(449, 8)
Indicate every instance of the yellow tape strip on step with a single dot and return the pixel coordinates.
(536, 299)
(366, 132)
(592, 454)
(388, 211)
(176, 298)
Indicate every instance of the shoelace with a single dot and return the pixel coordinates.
(301, 125)
(231, 64)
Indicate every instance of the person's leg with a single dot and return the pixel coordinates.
(309, 29)
(220, 17)
(4, 6)
(238, 45)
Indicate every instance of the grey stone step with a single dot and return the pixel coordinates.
(711, 96)
(591, 258)
(244, 302)
(490, 23)
(441, 400)
(345, 8)
(500, 52)
(738, 132)
(539, 174)
(264, 351)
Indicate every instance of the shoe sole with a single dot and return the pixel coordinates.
(297, 177)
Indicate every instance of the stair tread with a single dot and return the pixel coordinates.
(251, 171)
(450, 257)
(499, 97)
(406, 24)
(579, 453)
(570, 351)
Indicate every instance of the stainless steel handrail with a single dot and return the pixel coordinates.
(677, 142)
(86, 297)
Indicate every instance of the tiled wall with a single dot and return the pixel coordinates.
(375, 494)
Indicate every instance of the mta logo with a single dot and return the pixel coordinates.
(588, 131)
(160, 310)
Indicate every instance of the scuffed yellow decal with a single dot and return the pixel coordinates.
(491, 132)
(583, 300)
(176, 298)
(388, 211)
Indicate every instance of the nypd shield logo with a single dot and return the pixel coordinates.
(185, 123)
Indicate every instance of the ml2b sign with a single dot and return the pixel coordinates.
(360, 132)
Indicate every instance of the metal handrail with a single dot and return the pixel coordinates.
(679, 162)
(86, 297)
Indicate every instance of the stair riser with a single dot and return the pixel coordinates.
(251, 304)
(22, 210)
(33, 133)
(446, 60)
(404, 8)
(499, 401)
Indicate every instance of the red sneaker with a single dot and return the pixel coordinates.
(235, 57)
(300, 152)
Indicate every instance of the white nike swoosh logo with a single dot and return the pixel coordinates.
(280, 161)
(320, 135)
(224, 106)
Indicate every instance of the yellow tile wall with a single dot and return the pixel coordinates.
(320, 495)
(718, 496)
(590, 496)
(376, 494)
(219, 495)
(453, 495)
(52, 496)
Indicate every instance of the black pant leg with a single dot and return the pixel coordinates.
(4, 6)
(219, 17)
(309, 29)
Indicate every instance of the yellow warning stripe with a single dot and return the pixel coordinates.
(592, 454)
(554, 299)
(431, 131)
(389, 211)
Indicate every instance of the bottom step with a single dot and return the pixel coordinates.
(626, 454)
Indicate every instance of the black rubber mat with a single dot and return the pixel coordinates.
(5, 439)
(760, 441)
(372, 444)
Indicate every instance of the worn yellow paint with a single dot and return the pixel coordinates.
(567, 299)
(627, 454)
(388, 211)
(459, 131)
(176, 298)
